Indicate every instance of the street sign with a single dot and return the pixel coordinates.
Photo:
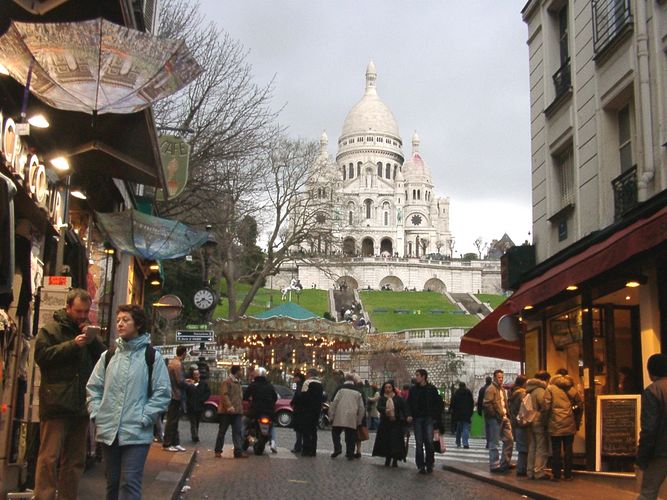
(205, 354)
(189, 336)
(196, 327)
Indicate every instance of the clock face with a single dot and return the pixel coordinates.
(203, 299)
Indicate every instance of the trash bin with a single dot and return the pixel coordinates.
(477, 427)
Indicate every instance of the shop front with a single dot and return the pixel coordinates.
(599, 311)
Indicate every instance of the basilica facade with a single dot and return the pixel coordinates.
(385, 205)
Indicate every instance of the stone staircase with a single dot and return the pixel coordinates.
(471, 304)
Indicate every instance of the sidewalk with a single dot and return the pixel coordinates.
(591, 487)
(164, 475)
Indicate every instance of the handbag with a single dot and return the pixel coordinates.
(439, 442)
(362, 433)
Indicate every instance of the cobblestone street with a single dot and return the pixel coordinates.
(289, 476)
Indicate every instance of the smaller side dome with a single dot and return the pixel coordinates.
(415, 168)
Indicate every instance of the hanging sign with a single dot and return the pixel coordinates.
(175, 155)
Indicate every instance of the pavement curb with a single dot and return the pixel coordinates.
(176, 494)
(497, 482)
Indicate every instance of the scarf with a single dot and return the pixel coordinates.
(390, 410)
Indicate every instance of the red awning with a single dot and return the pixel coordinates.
(640, 236)
(483, 338)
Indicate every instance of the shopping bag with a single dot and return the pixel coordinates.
(362, 433)
(438, 442)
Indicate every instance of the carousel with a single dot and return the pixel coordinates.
(288, 337)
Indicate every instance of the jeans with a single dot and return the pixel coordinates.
(521, 440)
(195, 418)
(374, 423)
(423, 429)
(566, 442)
(462, 433)
(486, 432)
(236, 421)
(174, 412)
(61, 458)
(538, 450)
(652, 478)
(298, 443)
(309, 437)
(350, 440)
(499, 431)
(124, 468)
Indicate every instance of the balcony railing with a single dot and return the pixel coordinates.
(625, 192)
(610, 19)
(562, 79)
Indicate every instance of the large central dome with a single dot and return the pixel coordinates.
(370, 113)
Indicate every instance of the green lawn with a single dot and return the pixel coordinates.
(494, 300)
(423, 302)
(313, 300)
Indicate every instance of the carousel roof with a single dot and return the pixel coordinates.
(288, 322)
(287, 310)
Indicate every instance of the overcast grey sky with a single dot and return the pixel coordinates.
(456, 71)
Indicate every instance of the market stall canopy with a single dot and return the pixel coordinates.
(149, 237)
(95, 66)
(288, 310)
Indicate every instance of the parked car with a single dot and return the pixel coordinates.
(283, 408)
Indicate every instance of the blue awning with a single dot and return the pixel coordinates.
(149, 237)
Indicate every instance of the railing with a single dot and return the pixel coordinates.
(562, 79)
(610, 18)
(625, 192)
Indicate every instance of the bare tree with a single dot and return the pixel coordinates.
(227, 118)
(389, 357)
(481, 246)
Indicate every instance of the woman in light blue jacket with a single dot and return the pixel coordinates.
(121, 404)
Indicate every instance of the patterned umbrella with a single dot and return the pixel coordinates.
(149, 237)
(95, 66)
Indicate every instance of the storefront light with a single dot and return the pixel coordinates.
(154, 267)
(632, 284)
(3, 70)
(78, 194)
(38, 121)
(60, 163)
(572, 288)
(528, 308)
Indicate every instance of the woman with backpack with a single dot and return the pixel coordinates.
(519, 428)
(559, 401)
(124, 405)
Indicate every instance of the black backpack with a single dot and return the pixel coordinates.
(150, 361)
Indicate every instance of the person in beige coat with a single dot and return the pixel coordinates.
(538, 449)
(496, 416)
(231, 413)
(346, 412)
(559, 399)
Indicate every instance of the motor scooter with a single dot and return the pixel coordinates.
(258, 433)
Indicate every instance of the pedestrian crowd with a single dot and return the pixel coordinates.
(124, 391)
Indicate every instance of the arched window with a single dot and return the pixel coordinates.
(419, 194)
(379, 169)
(395, 168)
(358, 169)
(324, 192)
(368, 204)
(414, 194)
(344, 173)
(350, 215)
(386, 218)
(387, 171)
(351, 169)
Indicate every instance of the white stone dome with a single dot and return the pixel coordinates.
(415, 168)
(370, 114)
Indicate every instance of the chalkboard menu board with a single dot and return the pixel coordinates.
(618, 427)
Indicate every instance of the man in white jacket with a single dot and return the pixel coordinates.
(346, 412)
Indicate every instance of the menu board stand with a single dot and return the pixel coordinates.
(617, 427)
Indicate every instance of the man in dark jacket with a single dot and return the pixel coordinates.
(480, 407)
(198, 393)
(263, 397)
(462, 407)
(66, 352)
(298, 411)
(179, 387)
(425, 410)
(652, 449)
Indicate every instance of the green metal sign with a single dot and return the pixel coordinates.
(175, 154)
